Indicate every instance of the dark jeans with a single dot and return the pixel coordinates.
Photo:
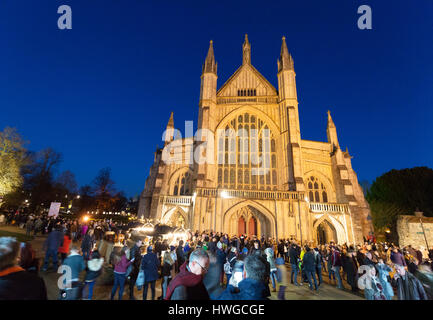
(152, 288)
(132, 281)
(53, 254)
(294, 273)
(319, 274)
(331, 272)
(119, 281)
(281, 293)
(90, 286)
(86, 254)
(310, 274)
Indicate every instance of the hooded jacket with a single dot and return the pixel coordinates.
(248, 289)
(76, 262)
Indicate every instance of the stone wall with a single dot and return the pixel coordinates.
(410, 231)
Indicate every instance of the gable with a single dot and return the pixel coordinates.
(247, 77)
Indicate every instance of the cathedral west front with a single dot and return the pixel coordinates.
(259, 176)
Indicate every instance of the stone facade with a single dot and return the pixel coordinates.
(410, 231)
(300, 188)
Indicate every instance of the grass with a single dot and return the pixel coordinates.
(20, 236)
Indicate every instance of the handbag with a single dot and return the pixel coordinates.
(140, 280)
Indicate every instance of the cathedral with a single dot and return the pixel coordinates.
(260, 177)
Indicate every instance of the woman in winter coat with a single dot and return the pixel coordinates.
(167, 265)
(370, 283)
(351, 268)
(273, 275)
(384, 271)
(64, 249)
(150, 265)
(121, 264)
(93, 271)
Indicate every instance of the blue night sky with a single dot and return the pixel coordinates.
(102, 93)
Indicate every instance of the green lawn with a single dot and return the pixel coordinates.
(20, 236)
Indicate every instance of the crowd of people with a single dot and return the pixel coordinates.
(204, 265)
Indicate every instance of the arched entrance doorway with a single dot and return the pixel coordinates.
(242, 226)
(248, 220)
(326, 233)
(252, 227)
(175, 218)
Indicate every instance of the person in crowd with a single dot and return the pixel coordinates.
(350, 266)
(211, 278)
(74, 231)
(28, 260)
(408, 286)
(425, 275)
(93, 271)
(281, 277)
(221, 259)
(38, 226)
(76, 265)
(150, 265)
(253, 284)
(318, 261)
(273, 269)
(29, 226)
(121, 264)
(294, 262)
(87, 243)
(51, 247)
(231, 260)
(370, 283)
(64, 248)
(15, 282)
(167, 266)
(397, 257)
(336, 265)
(309, 266)
(180, 257)
(384, 271)
(188, 283)
(135, 266)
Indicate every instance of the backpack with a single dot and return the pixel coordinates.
(228, 267)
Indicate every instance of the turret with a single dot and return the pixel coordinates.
(209, 78)
(246, 51)
(169, 131)
(331, 132)
(286, 74)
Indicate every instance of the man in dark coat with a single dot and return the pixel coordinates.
(150, 264)
(309, 265)
(408, 286)
(135, 266)
(351, 268)
(51, 246)
(179, 255)
(294, 259)
(254, 284)
(15, 282)
(188, 284)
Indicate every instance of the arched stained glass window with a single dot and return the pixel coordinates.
(317, 191)
(252, 154)
(182, 184)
